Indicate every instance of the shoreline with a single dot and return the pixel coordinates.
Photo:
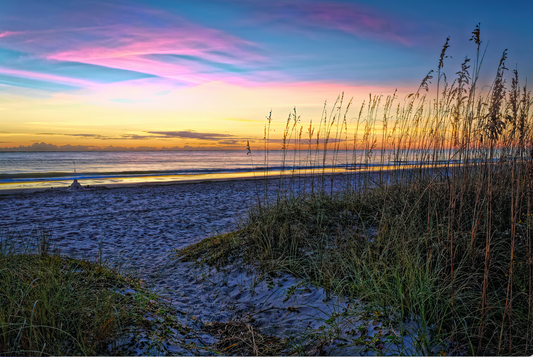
(134, 181)
(193, 180)
(86, 188)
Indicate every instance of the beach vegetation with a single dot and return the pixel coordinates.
(429, 221)
(55, 305)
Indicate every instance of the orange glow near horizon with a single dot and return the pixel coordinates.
(205, 75)
(232, 113)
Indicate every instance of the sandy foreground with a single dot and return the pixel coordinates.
(143, 223)
(140, 226)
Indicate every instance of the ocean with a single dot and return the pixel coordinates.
(58, 169)
(19, 170)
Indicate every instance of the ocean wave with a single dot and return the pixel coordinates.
(61, 176)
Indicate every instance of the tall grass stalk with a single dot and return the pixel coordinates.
(432, 221)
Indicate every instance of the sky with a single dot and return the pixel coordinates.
(78, 75)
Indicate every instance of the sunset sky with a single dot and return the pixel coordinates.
(206, 73)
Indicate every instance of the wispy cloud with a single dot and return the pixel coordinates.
(42, 146)
(191, 135)
(131, 137)
(103, 137)
(7, 33)
(354, 19)
(47, 77)
(157, 135)
(136, 39)
(229, 142)
(86, 136)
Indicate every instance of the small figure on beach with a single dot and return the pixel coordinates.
(75, 185)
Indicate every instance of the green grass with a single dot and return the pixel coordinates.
(216, 251)
(54, 305)
(446, 243)
(389, 247)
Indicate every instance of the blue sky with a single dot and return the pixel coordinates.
(136, 61)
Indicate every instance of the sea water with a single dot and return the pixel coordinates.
(58, 169)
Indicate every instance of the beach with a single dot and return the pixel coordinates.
(141, 224)
(139, 227)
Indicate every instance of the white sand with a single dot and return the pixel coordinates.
(140, 226)
(143, 223)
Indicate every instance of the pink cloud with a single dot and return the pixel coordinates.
(8, 33)
(143, 40)
(350, 18)
(46, 77)
(119, 41)
(165, 45)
